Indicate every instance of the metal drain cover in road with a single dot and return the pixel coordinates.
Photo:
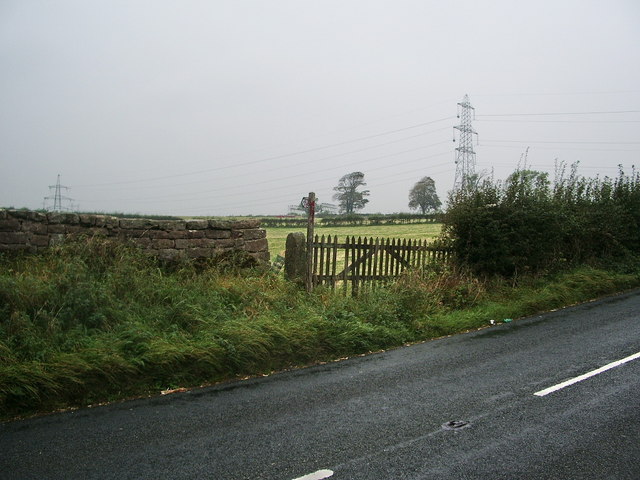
(455, 425)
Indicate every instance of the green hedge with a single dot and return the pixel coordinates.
(528, 224)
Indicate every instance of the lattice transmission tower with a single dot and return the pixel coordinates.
(57, 197)
(465, 156)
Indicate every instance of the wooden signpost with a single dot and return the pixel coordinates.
(311, 208)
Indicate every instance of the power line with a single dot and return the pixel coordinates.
(288, 186)
(557, 113)
(243, 187)
(268, 159)
(543, 165)
(413, 172)
(560, 121)
(629, 150)
(576, 148)
(555, 94)
(579, 142)
(298, 163)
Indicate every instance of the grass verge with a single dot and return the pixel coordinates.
(94, 321)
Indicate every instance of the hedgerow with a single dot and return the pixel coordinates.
(529, 224)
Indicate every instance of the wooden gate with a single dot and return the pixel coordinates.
(364, 262)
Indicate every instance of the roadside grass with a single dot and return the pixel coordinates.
(277, 236)
(91, 322)
(530, 297)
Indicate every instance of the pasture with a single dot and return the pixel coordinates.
(277, 236)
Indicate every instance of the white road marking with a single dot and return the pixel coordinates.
(571, 381)
(319, 475)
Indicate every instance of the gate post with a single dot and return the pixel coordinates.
(295, 258)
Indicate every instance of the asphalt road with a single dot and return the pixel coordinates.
(382, 416)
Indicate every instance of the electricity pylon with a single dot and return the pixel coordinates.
(465, 156)
(57, 196)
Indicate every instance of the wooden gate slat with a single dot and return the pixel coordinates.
(346, 264)
(314, 276)
(355, 267)
(386, 259)
(370, 252)
(334, 262)
(376, 257)
(321, 262)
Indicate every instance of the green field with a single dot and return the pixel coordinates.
(277, 236)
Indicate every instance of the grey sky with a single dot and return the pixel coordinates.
(228, 107)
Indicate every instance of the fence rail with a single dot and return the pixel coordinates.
(359, 263)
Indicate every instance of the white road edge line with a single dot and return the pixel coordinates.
(571, 381)
(319, 475)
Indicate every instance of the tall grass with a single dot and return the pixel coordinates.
(93, 321)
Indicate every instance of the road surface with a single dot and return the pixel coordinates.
(478, 405)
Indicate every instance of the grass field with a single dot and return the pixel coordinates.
(277, 236)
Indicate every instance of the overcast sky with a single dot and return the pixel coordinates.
(231, 107)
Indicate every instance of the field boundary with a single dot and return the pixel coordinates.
(32, 232)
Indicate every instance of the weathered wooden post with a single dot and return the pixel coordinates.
(311, 202)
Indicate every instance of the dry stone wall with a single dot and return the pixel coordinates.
(30, 231)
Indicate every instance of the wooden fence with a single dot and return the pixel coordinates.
(360, 262)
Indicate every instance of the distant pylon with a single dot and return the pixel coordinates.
(465, 156)
(57, 196)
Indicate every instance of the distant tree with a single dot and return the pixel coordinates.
(423, 196)
(347, 194)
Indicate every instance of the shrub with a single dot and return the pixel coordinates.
(526, 224)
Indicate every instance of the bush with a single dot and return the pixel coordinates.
(526, 224)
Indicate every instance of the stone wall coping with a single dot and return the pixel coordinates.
(129, 222)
